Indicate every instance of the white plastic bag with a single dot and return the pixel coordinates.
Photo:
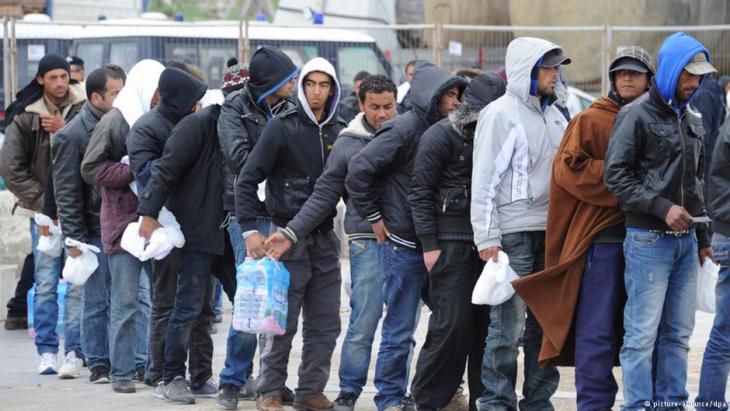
(706, 283)
(161, 242)
(78, 269)
(132, 242)
(494, 285)
(50, 245)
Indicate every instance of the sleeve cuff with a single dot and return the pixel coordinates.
(375, 217)
(247, 225)
(496, 242)
(429, 242)
(660, 207)
(289, 234)
(249, 233)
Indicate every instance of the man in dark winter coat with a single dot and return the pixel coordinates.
(350, 104)
(439, 200)
(244, 114)
(40, 110)
(708, 100)
(78, 205)
(378, 181)
(377, 98)
(179, 94)
(290, 156)
(654, 166)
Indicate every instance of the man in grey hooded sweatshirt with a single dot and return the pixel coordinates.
(516, 139)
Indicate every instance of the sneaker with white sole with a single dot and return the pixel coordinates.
(48, 363)
(207, 390)
(159, 390)
(71, 367)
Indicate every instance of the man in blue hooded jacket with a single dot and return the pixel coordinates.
(654, 166)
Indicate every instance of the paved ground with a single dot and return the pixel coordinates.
(22, 389)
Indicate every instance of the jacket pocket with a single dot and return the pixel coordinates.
(453, 200)
(296, 192)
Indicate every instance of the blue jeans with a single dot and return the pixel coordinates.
(716, 362)
(661, 281)
(95, 317)
(366, 303)
(45, 303)
(127, 314)
(142, 320)
(194, 279)
(404, 276)
(241, 346)
(508, 322)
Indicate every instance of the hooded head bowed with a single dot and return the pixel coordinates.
(428, 86)
(179, 91)
(481, 90)
(676, 52)
(136, 96)
(269, 70)
(323, 66)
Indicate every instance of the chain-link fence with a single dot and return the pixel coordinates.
(378, 49)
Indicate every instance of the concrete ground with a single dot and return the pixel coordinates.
(21, 388)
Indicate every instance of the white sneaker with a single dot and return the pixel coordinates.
(48, 364)
(71, 367)
(159, 390)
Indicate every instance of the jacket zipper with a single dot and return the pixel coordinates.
(321, 146)
(684, 162)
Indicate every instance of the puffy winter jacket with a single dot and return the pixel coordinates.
(78, 202)
(441, 184)
(330, 186)
(516, 140)
(240, 125)
(290, 155)
(379, 177)
(655, 155)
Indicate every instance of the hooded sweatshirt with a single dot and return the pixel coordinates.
(290, 155)
(379, 177)
(179, 92)
(516, 139)
(102, 164)
(676, 51)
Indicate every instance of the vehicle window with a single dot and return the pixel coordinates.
(124, 54)
(353, 59)
(213, 59)
(186, 53)
(92, 54)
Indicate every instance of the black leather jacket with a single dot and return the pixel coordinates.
(655, 159)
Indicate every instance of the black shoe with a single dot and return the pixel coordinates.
(16, 323)
(124, 387)
(287, 396)
(139, 376)
(228, 397)
(99, 375)
(345, 401)
(409, 404)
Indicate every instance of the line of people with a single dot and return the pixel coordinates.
(601, 217)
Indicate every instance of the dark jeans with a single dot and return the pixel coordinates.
(164, 286)
(191, 319)
(456, 329)
(314, 291)
(18, 304)
(599, 326)
(508, 322)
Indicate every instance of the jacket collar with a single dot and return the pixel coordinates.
(73, 97)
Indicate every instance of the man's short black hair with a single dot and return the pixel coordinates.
(360, 76)
(116, 69)
(377, 84)
(410, 63)
(96, 82)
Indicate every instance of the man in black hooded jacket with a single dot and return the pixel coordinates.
(179, 93)
(378, 181)
(440, 202)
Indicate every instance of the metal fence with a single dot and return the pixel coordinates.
(209, 44)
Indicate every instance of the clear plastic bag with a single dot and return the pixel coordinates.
(706, 283)
(78, 269)
(494, 285)
(262, 297)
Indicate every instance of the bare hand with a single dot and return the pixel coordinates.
(430, 258)
(255, 246)
(44, 230)
(74, 252)
(51, 124)
(381, 232)
(491, 252)
(148, 226)
(277, 245)
(705, 252)
(678, 219)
